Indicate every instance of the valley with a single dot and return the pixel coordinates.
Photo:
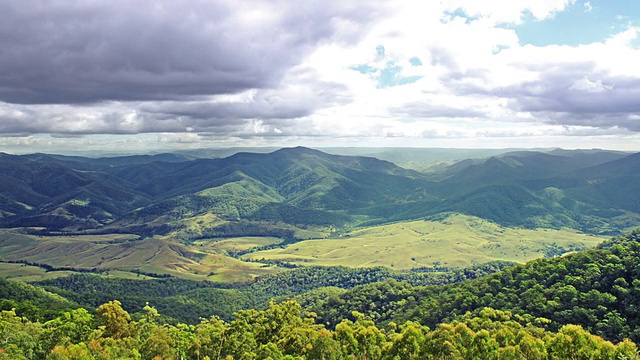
(521, 239)
(239, 217)
(319, 180)
(457, 241)
(124, 256)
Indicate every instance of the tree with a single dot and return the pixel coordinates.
(114, 319)
(409, 343)
(19, 337)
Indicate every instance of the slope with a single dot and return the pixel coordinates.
(597, 289)
(296, 186)
(455, 241)
(578, 189)
(155, 256)
(45, 193)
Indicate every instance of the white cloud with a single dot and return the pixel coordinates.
(588, 7)
(587, 85)
(509, 11)
(280, 74)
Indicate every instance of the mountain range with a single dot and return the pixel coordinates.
(595, 191)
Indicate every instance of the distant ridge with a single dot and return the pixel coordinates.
(591, 190)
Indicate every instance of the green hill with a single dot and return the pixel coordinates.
(32, 301)
(594, 191)
(555, 308)
(597, 289)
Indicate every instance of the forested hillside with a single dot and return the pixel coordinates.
(225, 219)
(188, 301)
(598, 289)
(283, 331)
(567, 307)
(299, 187)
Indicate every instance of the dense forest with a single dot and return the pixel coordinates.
(579, 306)
(284, 331)
(598, 289)
(187, 301)
(291, 189)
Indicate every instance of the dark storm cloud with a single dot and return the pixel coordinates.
(277, 109)
(68, 52)
(593, 99)
(289, 102)
(582, 96)
(596, 120)
(565, 94)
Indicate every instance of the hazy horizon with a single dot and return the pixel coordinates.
(447, 153)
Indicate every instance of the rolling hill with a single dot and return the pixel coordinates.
(174, 204)
(593, 191)
(232, 188)
(597, 289)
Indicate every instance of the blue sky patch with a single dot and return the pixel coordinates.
(582, 23)
(415, 61)
(364, 69)
(461, 14)
(390, 74)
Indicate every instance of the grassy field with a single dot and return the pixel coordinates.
(123, 255)
(457, 241)
(24, 272)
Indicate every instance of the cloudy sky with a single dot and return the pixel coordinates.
(151, 75)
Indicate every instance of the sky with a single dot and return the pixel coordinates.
(150, 75)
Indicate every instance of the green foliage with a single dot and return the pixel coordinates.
(188, 301)
(549, 309)
(301, 186)
(282, 331)
(18, 337)
(113, 319)
(624, 239)
(308, 278)
(31, 301)
(597, 289)
(184, 300)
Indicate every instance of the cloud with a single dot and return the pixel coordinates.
(82, 52)
(295, 98)
(569, 86)
(428, 110)
(276, 72)
(506, 11)
(580, 95)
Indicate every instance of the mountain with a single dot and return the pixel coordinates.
(109, 161)
(293, 188)
(624, 167)
(576, 189)
(291, 171)
(47, 193)
(40, 190)
(525, 167)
